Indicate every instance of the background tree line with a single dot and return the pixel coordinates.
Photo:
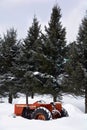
(43, 63)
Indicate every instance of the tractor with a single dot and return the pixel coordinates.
(40, 110)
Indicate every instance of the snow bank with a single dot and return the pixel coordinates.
(72, 110)
(79, 102)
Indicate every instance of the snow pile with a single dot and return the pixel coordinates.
(77, 120)
(72, 110)
(79, 102)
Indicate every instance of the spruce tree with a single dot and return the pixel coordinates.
(28, 60)
(55, 42)
(55, 46)
(8, 53)
(82, 41)
(74, 77)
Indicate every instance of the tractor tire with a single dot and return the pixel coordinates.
(25, 113)
(64, 113)
(41, 113)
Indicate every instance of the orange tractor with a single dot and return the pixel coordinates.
(40, 110)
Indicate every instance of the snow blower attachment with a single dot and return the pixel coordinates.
(40, 110)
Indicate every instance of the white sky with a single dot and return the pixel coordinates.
(19, 14)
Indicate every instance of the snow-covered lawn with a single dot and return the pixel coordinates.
(77, 120)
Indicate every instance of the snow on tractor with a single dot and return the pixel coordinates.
(40, 110)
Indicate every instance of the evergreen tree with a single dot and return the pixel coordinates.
(8, 52)
(82, 41)
(74, 77)
(55, 46)
(27, 60)
(55, 42)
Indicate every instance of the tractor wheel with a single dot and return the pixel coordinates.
(64, 113)
(25, 113)
(41, 113)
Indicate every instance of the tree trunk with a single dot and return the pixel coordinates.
(54, 98)
(27, 98)
(32, 95)
(10, 98)
(86, 99)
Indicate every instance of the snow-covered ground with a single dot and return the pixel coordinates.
(77, 119)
